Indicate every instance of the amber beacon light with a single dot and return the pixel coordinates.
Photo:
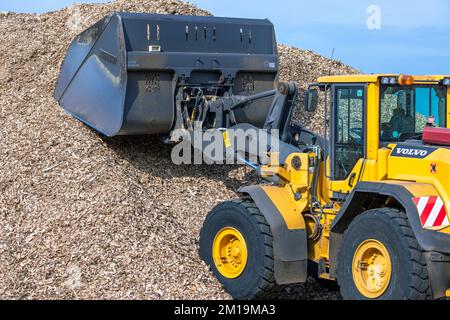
(406, 80)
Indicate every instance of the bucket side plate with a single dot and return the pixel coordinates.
(92, 84)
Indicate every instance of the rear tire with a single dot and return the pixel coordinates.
(256, 281)
(390, 229)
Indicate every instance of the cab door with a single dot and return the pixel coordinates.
(348, 138)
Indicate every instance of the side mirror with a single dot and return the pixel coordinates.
(310, 100)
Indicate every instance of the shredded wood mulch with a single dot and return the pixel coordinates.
(88, 217)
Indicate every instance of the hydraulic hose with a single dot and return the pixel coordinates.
(315, 203)
(315, 234)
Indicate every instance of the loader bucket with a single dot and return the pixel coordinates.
(121, 76)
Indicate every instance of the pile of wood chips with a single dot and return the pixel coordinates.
(88, 217)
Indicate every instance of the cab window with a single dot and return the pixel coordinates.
(405, 111)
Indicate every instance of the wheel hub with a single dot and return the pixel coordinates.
(371, 268)
(230, 252)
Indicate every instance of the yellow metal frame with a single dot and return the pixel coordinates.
(374, 78)
(293, 180)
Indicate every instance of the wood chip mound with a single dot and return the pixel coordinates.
(88, 217)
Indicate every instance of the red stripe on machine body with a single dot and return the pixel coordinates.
(440, 218)
(432, 213)
(427, 210)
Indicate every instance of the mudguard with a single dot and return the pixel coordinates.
(288, 230)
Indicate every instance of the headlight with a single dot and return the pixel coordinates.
(388, 80)
(446, 82)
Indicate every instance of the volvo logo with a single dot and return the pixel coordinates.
(411, 152)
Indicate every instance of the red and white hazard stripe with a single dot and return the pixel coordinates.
(431, 211)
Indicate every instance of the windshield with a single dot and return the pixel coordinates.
(405, 111)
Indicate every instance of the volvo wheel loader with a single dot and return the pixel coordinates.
(364, 203)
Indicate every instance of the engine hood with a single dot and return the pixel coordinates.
(436, 136)
(419, 163)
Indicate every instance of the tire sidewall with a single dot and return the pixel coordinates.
(236, 216)
(378, 226)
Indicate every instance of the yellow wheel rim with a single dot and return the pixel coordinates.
(371, 268)
(230, 252)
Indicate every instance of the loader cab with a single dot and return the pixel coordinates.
(367, 112)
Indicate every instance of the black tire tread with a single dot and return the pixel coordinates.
(267, 287)
(419, 287)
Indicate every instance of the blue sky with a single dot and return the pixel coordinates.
(414, 36)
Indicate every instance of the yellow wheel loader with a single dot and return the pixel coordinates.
(365, 204)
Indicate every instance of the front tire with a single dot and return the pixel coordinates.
(237, 243)
(381, 259)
